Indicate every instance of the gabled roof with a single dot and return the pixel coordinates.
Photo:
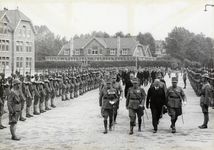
(2, 15)
(16, 17)
(111, 43)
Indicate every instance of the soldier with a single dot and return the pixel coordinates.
(174, 96)
(29, 95)
(185, 78)
(22, 97)
(135, 104)
(108, 97)
(1, 100)
(118, 87)
(47, 91)
(14, 107)
(42, 94)
(36, 95)
(205, 100)
(71, 87)
(53, 86)
(128, 84)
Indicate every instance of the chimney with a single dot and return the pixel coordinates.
(118, 46)
(71, 46)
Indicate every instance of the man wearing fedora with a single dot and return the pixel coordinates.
(204, 100)
(175, 96)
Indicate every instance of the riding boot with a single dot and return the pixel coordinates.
(110, 124)
(105, 126)
(131, 128)
(139, 124)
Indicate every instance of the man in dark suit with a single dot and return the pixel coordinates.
(156, 98)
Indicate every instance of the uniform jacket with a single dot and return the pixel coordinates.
(206, 94)
(135, 97)
(14, 102)
(174, 100)
(107, 95)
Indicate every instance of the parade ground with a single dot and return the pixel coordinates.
(77, 124)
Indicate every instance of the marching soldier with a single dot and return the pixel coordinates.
(108, 97)
(135, 104)
(71, 87)
(174, 96)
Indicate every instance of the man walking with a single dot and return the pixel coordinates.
(156, 99)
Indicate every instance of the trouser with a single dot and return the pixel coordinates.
(132, 115)
(35, 104)
(156, 113)
(205, 110)
(185, 83)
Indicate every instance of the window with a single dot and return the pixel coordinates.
(30, 47)
(28, 33)
(7, 45)
(77, 51)
(94, 50)
(28, 62)
(27, 45)
(19, 62)
(3, 28)
(112, 51)
(124, 51)
(89, 51)
(17, 46)
(3, 45)
(20, 32)
(21, 46)
(4, 62)
(66, 52)
(24, 31)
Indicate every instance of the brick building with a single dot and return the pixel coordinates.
(102, 49)
(17, 42)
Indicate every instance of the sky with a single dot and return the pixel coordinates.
(159, 17)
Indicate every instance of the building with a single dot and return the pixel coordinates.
(102, 49)
(17, 42)
(160, 51)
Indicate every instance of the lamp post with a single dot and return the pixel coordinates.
(208, 5)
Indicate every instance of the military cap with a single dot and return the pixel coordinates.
(134, 80)
(174, 79)
(205, 76)
(15, 81)
(114, 77)
(108, 81)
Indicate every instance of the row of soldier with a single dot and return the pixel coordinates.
(37, 93)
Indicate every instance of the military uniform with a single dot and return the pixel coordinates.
(135, 104)
(108, 97)
(174, 96)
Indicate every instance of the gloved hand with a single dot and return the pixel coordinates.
(111, 102)
(184, 103)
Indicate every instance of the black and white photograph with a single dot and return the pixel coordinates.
(106, 74)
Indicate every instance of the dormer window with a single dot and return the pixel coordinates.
(66, 52)
(77, 51)
(24, 31)
(3, 28)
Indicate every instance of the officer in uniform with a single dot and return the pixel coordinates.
(174, 96)
(1, 101)
(108, 97)
(205, 100)
(14, 106)
(35, 84)
(135, 104)
(118, 87)
(22, 96)
(29, 95)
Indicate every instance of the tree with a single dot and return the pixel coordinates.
(120, 34)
